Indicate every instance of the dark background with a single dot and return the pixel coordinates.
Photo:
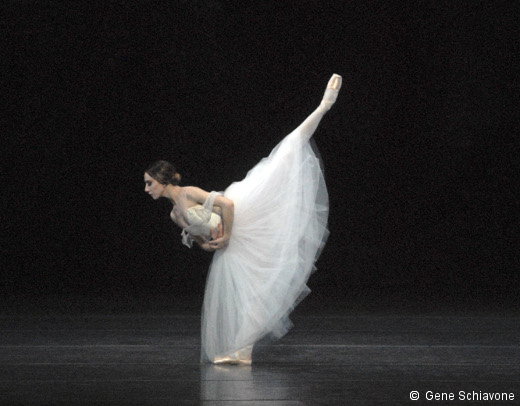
(420, 150)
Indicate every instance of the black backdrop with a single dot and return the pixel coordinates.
(420, 150)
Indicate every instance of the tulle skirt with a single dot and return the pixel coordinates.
(279, 229)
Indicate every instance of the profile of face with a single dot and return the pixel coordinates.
(153, 188)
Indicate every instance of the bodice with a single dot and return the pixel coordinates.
(201, 220)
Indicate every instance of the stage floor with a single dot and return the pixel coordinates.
(65, 353)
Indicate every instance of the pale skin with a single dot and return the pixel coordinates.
(185, 197)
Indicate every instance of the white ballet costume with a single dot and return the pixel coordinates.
(279, 228)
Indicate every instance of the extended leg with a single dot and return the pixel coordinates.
(308, 127)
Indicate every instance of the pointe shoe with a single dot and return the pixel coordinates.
(335, 82)
(241, 357)
(331, 93)
(225, 360)
(231, 361)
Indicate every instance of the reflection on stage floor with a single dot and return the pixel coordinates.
(63, 354)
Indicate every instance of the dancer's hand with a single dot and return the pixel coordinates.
(203, 242)
(217, 231)
(205, 246)
(217, 238)
(219, 243)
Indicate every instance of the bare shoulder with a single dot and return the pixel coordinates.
(195, 194)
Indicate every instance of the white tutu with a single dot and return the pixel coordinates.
(279, 228)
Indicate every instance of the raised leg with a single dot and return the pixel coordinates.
(308, 127)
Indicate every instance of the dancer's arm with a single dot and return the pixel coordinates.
(227, 211)
(228, 214)
(308, 127)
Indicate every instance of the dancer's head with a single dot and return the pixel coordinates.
(158, 176)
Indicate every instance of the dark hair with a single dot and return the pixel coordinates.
(164, 173)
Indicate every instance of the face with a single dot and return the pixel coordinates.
(153, 188)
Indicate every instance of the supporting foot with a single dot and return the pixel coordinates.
(231, 361)
(240, 357)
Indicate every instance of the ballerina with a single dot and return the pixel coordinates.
(266, 231)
